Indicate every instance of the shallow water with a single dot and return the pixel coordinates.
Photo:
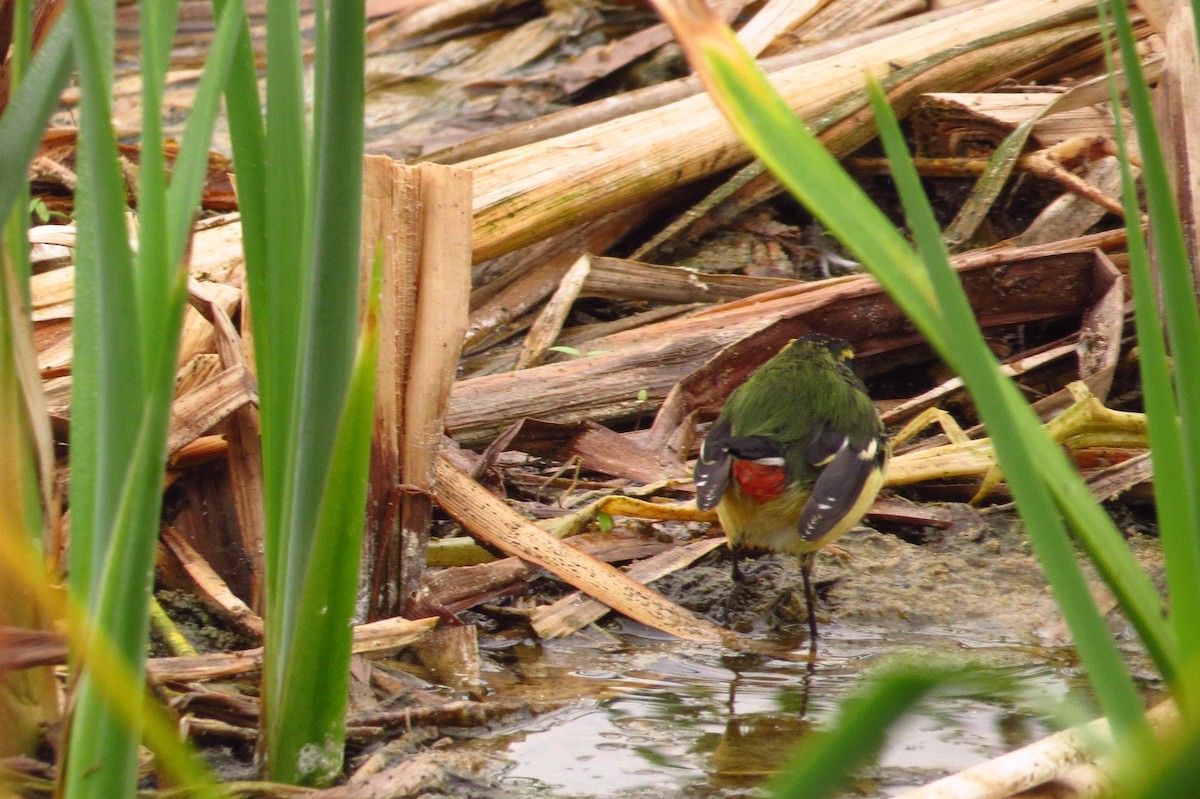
(656, 717)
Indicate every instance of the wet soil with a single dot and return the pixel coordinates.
(979, 576)
(641, 714)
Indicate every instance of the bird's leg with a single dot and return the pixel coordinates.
(810, 599)
(735, 576)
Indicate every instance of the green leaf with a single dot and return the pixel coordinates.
(307, 287)
(929, 292)
(125, 338)
(308, 730)
(28, 110)
(1173, 410)
(37, 206)
(824, 763)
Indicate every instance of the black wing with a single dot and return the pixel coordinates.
(838, 487)
(713, 466)
(716, 460)
(825, 447)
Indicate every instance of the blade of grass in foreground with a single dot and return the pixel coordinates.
(306, 334)
(16, 230)
(1024, 449)
(125, 339)
(1172, 407)
(21, 569)
(107, 390)
(315, 697)
(29, 108)
(826, 761)
(20, 132)
(930, 295)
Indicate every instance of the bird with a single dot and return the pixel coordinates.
(795, 458)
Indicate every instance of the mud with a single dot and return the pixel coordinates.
(979, 576)
(654, 717)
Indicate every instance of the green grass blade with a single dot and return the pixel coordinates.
(287, 236)
(16, 230)
(28, 701)
(23, 567)
(191, 165)
(1032, 462)
(107, 375)
(28, 110)
(126, 338)
(108, 384)
(157, 20)
(331, 311)
(1173, 409)
(936, 304)
(324, 369)
(826, 761)
(309, 739)
(247, 137)
(1175, 772)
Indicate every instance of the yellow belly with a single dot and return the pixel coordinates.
(772, 525)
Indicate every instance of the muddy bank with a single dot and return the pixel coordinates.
(979, 576)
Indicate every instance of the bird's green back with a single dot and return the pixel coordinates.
(805, 388)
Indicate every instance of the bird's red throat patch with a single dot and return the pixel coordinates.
(759, 481)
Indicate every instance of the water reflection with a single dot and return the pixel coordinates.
(665, 719)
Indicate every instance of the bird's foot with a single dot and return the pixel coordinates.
(755, 594)
(839, 553)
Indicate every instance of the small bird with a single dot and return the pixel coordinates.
(796, 456)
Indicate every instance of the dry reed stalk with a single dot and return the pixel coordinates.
(603, 60)
(379, 636)
(530, 275)
(850, 125)
(573, 612)
(242, 431)
(451, 653)
(1072, 214)
(656, 357)
(838, 19)
(773, 20)
(944, 120)
(489, 519)
(530, 191)
(624, 279)
(609, 108)
(548, 325)
(420, 215)
(210, 585)
(1178, 115)
(209, 404)
(196, 372)
(595, 447)
(443, 298)
(1037, 763)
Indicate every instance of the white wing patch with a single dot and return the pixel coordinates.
(837, 489)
